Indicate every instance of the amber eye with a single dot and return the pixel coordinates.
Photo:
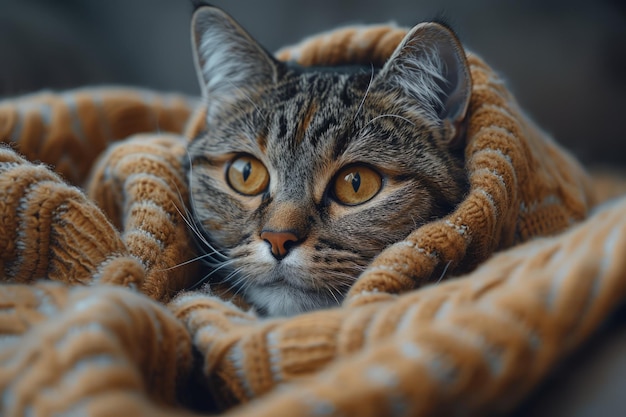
(356, 184)
(248, 175)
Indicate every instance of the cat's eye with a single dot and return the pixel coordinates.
(247, 175)
(356, 184)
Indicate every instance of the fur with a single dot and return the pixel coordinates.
(305, 125)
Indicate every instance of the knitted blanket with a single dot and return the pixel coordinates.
(95, 250)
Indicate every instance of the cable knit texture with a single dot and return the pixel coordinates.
(89, 325)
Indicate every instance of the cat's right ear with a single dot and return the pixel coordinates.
(230, 64)
(431, 67)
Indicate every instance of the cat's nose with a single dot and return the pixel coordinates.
(280, 242)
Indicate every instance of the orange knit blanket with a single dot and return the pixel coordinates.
(399, 345)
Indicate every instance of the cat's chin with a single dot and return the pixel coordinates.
(286, 300)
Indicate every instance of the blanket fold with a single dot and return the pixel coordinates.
(83, 346)
(110, 336)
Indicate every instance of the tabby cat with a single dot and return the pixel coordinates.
(306, 174)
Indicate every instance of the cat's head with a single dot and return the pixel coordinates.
(305, 175)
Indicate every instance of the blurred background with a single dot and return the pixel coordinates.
(564, 59)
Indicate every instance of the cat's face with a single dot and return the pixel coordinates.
(303, 177)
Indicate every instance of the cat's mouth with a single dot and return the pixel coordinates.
(285, 274)
(288, 287)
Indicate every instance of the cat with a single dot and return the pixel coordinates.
(304, 175)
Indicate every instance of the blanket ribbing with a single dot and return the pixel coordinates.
(52, 230)
(478, 343)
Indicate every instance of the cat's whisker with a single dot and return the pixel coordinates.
(198, 235)
(241, 284)
(187, 262)
(238, 279)
(312, 281)
(188, 217)
(380, 116)
(330, 287)
(232, 273)
(344, 281)
(356, 265)
(248, 98)
(181, 198)
(237, 285)
(369, 85)
(443, 273)
(417, 223)
(207, 276)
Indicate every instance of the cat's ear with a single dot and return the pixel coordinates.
(430, 66)
(230, 64)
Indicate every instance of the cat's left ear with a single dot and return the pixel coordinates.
(430, 66)
(230, 64)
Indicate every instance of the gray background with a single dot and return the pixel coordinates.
(565, 60)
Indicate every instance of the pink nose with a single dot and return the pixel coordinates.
(280, 242)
